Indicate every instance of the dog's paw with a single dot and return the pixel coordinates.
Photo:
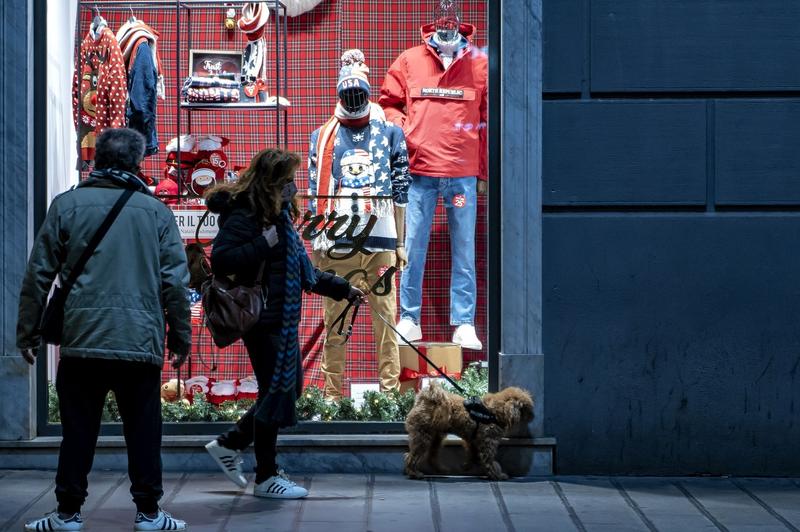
(415, 475)
(496, 472)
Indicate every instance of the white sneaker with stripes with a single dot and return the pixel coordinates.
(162, 521)
(279, 487)
(52, 522)
(229, 461)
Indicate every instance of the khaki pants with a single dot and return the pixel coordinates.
(334, 353)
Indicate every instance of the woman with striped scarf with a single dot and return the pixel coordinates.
(257, 215)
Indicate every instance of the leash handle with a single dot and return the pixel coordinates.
(342, 318)
(428, 360)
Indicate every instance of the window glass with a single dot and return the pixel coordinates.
(409, 170)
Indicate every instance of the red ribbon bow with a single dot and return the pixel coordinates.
(408, 374)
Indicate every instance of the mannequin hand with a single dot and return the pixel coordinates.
(29, 355)
(401, 258)
(356, 296)
(483, 187)
(178, 359)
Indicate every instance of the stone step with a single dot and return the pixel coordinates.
(317, 453)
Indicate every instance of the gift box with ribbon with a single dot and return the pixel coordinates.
(413, 368)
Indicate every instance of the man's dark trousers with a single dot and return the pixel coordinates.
(82, 385)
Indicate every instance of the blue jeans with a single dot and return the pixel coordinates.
(461, 202)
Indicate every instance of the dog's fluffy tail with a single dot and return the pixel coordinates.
(434, 399)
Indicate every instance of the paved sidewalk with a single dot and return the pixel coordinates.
(353, 503)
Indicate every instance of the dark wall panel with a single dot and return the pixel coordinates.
(14, 161)
(757, 155)
(564, 45)
(624, 153)
(659, 45)
(672, 343)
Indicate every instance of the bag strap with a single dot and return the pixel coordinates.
(197, 231)
(259, 275)
(77, 269)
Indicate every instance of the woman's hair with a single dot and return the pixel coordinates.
(263, 181)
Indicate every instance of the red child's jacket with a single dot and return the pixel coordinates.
(443, 113)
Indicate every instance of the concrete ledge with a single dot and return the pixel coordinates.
(289, 440)
(297, 453)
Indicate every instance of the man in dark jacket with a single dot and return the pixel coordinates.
(115, 316)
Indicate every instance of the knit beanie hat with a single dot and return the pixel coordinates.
(353, 73)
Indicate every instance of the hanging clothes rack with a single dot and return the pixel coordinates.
(184, 8)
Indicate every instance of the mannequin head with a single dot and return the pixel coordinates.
(447, 19)
(353, 85)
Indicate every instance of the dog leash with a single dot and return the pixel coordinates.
(473, 404)
(355, 304)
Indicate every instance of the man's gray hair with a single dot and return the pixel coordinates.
(122, 149)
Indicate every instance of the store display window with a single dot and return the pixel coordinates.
(387, 105)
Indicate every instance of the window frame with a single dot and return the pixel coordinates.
(39, 188)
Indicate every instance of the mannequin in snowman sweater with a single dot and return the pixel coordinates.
(358, 166)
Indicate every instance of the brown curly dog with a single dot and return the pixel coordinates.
(437, 413)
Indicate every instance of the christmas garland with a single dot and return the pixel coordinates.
(311, 405)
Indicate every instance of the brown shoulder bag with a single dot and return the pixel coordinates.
(231, 309)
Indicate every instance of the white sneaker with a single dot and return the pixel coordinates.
(162, 521)
(410, 331)
(229, 461)
(279, 487)
(467, 338)
(52, 521)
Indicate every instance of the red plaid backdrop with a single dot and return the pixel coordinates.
(315, 41)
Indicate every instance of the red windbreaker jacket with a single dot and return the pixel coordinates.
(443, 113)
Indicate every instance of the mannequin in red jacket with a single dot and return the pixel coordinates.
(437, 92)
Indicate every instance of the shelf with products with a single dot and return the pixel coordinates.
(278, 20)
(238, 106)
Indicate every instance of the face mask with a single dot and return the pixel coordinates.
(446, 20)
(354, 100)
(289, 190)
(447, 29)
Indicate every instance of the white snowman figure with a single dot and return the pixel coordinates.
(356, 185)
